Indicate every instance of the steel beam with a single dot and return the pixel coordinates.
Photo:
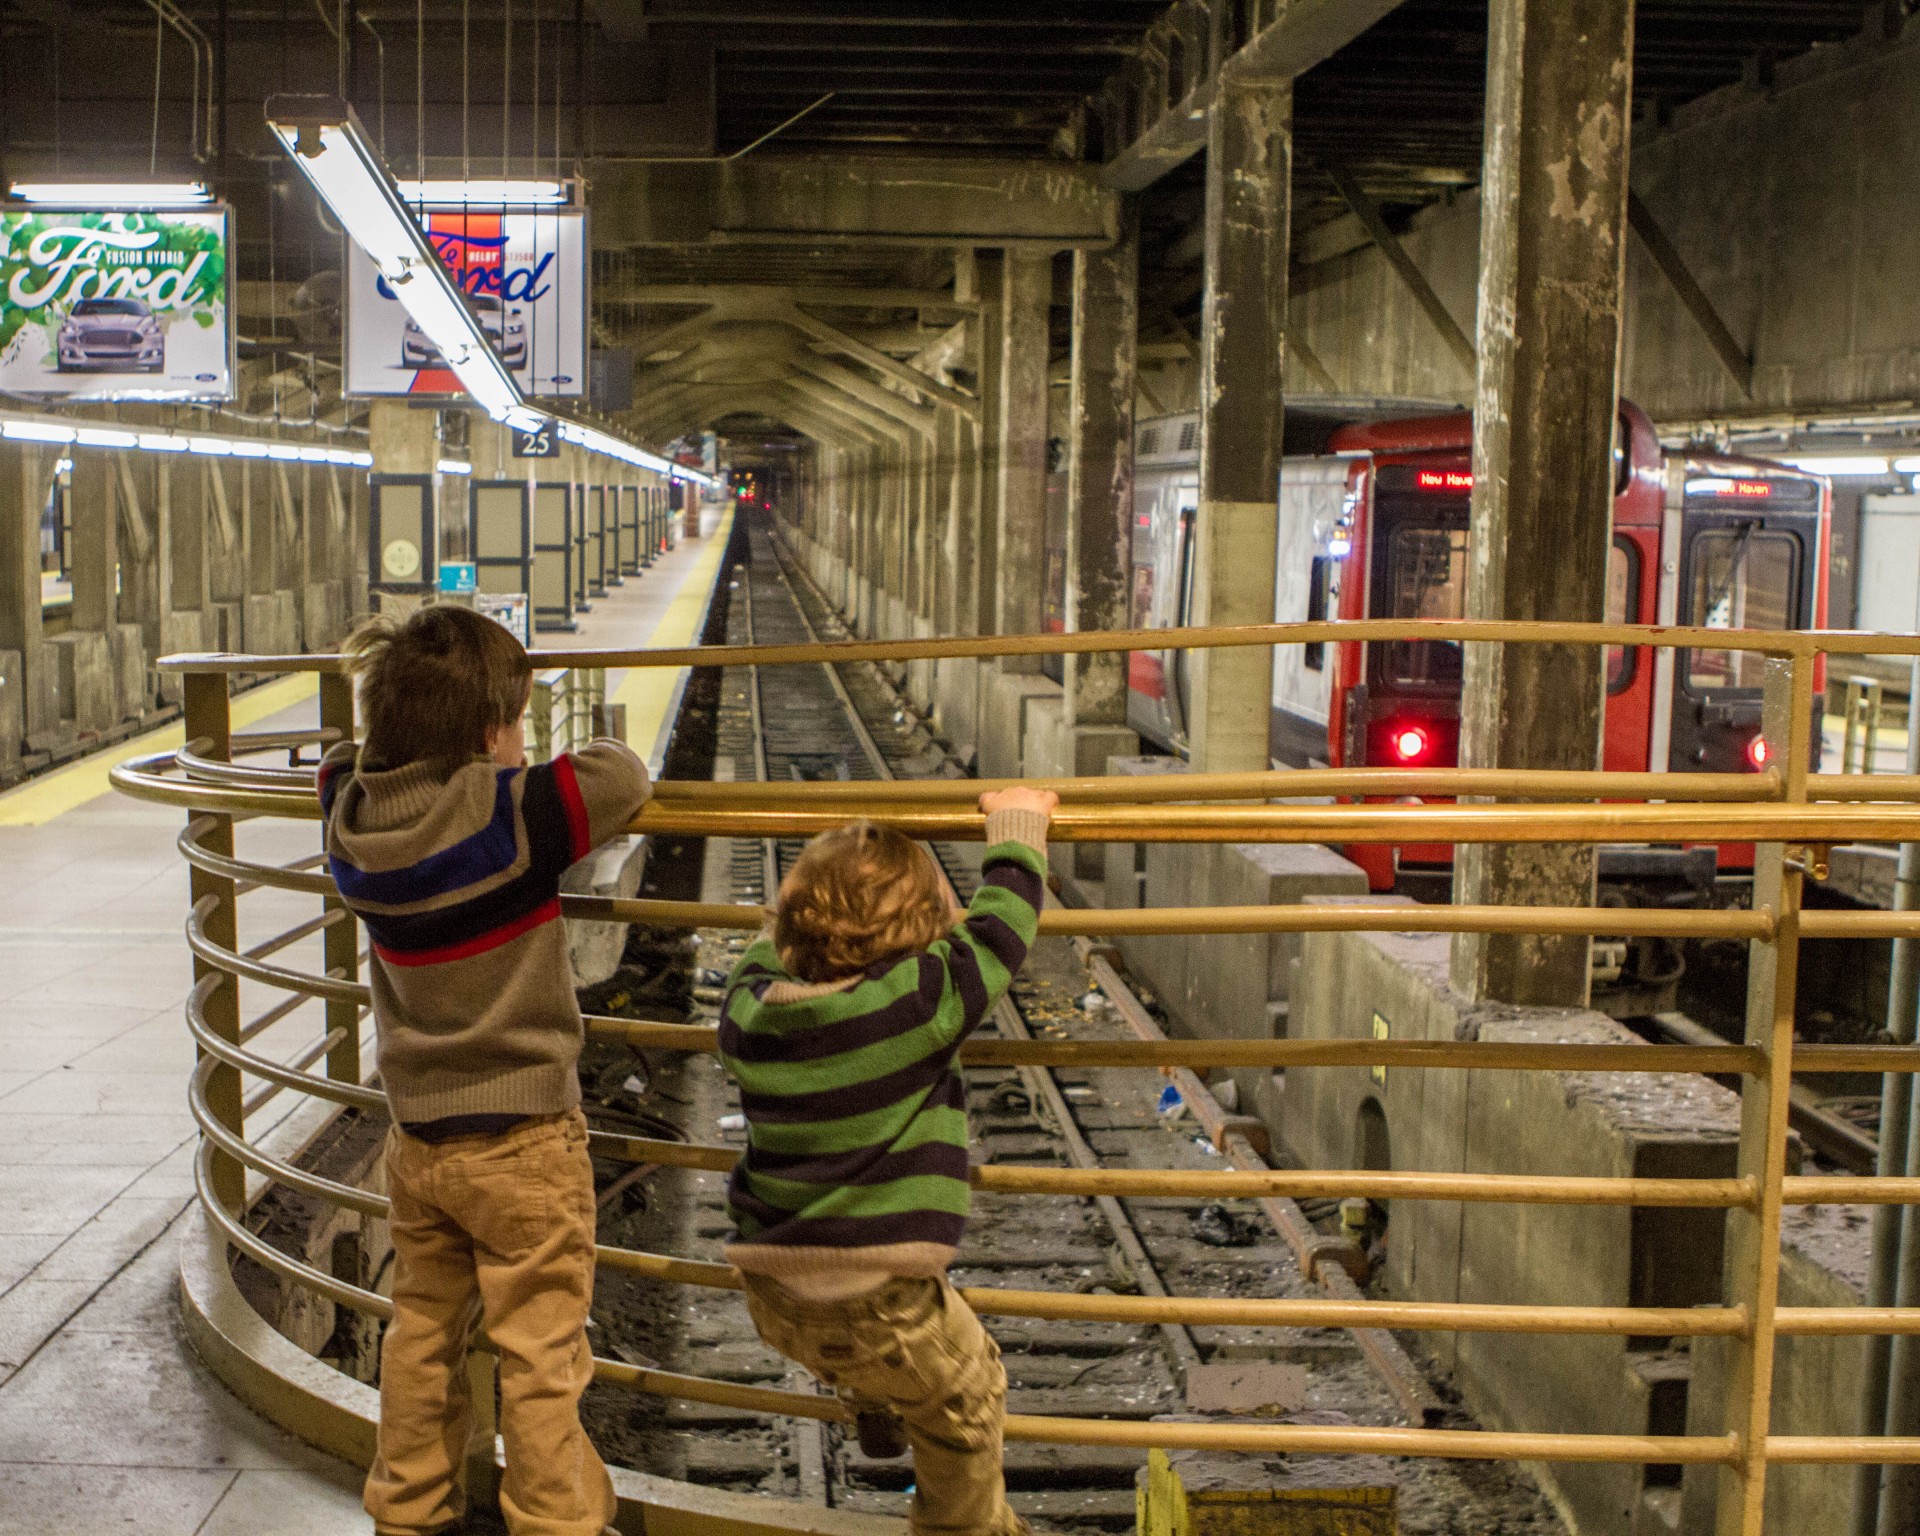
(1409, 273)
(1242, 359)
(1305, 33)
(1692, 296)
(1552, 254)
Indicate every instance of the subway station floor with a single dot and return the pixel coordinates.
(107, 1421)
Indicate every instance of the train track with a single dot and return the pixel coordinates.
(848, 722)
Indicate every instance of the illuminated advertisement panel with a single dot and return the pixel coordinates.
(525, 274)
(115, 306)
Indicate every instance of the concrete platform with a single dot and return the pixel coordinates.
(107, 1421)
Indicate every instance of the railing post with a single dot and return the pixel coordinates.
(210, 723)
(1753, 1236)
(342, 936)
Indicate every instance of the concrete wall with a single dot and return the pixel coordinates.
(1816, 1382)
(1592, 1124)
(1793, 207)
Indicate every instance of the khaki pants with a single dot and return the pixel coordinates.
(499, 1230)
(913, 1346)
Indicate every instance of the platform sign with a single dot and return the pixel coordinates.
(510, 610)
(128, 305)
(543, 442)
(525, 274)
(458, 578)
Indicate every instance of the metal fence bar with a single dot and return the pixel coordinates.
(1787, 811)
(209, 722)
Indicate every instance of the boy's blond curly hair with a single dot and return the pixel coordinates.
(858, 895)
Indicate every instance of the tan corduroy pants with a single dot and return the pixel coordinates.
(913, 1346)
(495, 1230)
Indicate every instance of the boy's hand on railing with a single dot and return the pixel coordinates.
(1019, 798)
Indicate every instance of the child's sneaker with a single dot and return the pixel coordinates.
(881, 1434)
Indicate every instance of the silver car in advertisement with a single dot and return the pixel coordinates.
(505, 327)
(121, 335)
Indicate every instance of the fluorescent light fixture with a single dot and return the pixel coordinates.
(328, 144)
(1840, 464)
(454, 467)
(105, 437)
(1906, 466)
(114, 194)
(332, 150)
(80, 434)
(486, 194)
(36, 431)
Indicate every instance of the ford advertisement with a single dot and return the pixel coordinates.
(525, 278)
(115, 306)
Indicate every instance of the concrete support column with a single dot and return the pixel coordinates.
(405, 441)
(1026, 296)
(93, 554)
(26, 694)
(1552, 243)
(1100, 470)
(988, 271)
(1243, 332)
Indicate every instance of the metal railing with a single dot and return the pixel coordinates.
(1789, 813)
(564, 710)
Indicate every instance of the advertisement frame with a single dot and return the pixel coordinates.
(423, 214)
(224, 210)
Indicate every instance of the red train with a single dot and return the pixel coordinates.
(1374, 525)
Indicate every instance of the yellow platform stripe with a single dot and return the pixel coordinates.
(52, 795)
(648, 691)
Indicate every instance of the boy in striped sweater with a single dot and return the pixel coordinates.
(841, 1027)
(450, 849)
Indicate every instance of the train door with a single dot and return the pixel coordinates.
(1750, 558)
(1417, 570)
(1179, 665)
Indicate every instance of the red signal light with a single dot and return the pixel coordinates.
(1759, 753)
(1410, 743)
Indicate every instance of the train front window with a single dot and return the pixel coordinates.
(1743, 578)
(1426, 579)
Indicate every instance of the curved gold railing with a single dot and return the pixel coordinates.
(1788, 812)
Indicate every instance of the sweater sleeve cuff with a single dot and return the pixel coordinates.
(1029, 827)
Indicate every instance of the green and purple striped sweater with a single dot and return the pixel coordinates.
(856, 1113)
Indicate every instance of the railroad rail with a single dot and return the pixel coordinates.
(1790, 814)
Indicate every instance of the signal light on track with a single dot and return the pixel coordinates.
(1410, 743)
(1759, 753)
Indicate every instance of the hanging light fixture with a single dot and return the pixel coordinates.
(332, 150)
(113, 194)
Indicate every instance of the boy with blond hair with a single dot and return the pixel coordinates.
(450, 849)
(841, 1027)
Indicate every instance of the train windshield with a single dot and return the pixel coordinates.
(1743, 578)
(1426, 579)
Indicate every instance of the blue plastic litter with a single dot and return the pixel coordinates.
(1169, 1099)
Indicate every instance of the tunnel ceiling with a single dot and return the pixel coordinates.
(598, 81)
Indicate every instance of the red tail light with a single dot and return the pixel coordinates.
(1411, 743)
(1759, 753)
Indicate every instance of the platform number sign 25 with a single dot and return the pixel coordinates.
(543, 442)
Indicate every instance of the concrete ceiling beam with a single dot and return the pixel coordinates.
(932, 300)
(867, 200)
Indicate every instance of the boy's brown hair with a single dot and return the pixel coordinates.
(857, 895)
(431, 688)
